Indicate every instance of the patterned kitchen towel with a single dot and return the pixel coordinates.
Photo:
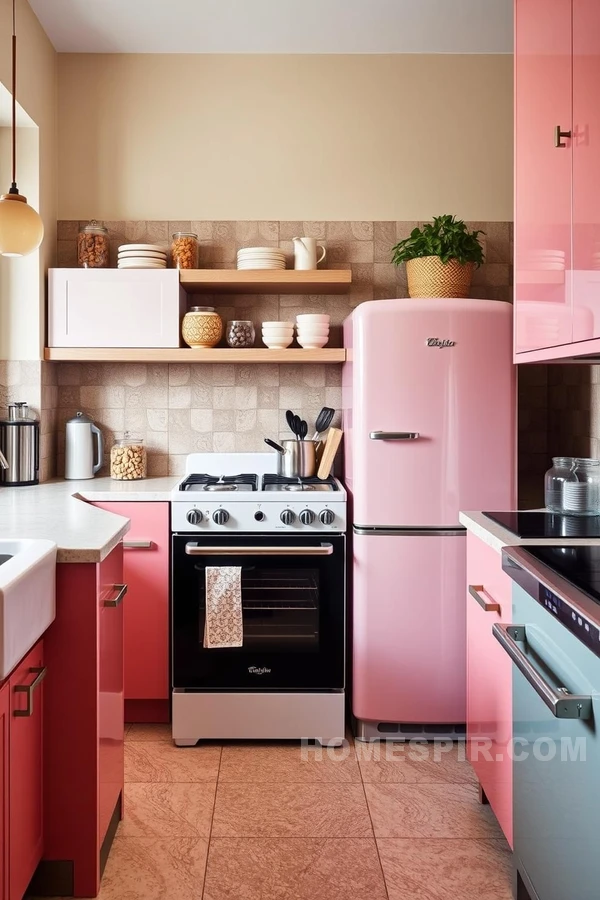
(223, 626)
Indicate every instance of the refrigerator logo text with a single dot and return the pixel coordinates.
(255, 670)
(439, 342)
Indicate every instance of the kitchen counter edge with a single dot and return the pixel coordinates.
(497, 537)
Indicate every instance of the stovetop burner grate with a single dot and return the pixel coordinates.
(282, 483)
(215, 483)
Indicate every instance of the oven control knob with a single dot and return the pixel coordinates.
(220, 517)
(327, 516)
(287, 516)
(307, 517)
(194, 517)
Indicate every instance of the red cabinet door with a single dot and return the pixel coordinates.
(543, 183)
(489, 679)
(146, 611)
(586, 180)
(26, 825)
(4, 782)
(111, 708)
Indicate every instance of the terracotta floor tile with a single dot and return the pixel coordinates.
(429, 811)
(297, 869)
(148, 732)
(168, 810)
(160, 761)
(290, 763)
(155, 869)
(446, 869)
(291, 810)
(403, 763)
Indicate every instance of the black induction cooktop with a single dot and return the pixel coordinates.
(546, 524)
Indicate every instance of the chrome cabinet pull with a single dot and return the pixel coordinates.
(476, 591)
(116, 601)
(394, 435)
(197, 550)
(138, 545)
(558, 134)
(29, 689)
(561, 704)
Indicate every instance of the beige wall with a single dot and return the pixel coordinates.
(37, 64)
(285, 137)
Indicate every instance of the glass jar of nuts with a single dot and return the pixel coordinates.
(184, 250)
(240, 333)
(128, 459)
(92, 246)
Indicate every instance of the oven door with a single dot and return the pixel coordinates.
(293, 608)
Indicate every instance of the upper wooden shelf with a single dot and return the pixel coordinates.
(265, 281)
(186, 354)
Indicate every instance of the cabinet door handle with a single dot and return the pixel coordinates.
(40, 674)
(121, 591)
(561, 703)
(138, 545)
(558, 134)
(476, 592)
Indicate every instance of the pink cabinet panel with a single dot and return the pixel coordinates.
(489, 679)
(4, 788)
(26, 822)
(146, 611)
(543, 184)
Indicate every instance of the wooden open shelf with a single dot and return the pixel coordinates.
(265, 281)
(186, 354)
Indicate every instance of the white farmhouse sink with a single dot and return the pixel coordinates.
(27, 597)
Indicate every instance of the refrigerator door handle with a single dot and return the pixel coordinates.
(394, 435)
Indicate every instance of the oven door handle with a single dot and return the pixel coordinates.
(198, 550)
(561, 703)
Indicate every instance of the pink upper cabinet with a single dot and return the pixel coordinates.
(543, 103)
(586, 168)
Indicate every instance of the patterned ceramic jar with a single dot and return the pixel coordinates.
(202, 327)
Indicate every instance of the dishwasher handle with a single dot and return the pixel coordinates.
(561, 703)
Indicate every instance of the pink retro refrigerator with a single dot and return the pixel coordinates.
(429, 419)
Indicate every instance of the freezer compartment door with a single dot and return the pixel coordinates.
(409, 627)
(433, 410)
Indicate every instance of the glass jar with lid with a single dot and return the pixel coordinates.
(554, 479)
(184, 250)
(581, 496)
(202, 327)
(128, 460)
(240, 333)
(93, 246)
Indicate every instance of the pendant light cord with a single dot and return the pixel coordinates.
(13, 187)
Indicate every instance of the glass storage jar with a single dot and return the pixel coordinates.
(184, 250)
(93, 246)
(554, 479)
(581, 496)
(128, 460)
(240, 333)
(202, 327)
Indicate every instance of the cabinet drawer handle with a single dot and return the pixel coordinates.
(40, 674)
(476, 592)
(561, 703)
(558, 134)
(138, 545)
(116, 601)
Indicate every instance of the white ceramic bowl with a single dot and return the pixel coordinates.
(313, 319)
(277, 343)
(278, 325)
(312, 343)
(274, 332)
(313, 331)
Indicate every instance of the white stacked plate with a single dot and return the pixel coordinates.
(261, 258)
(141, 256)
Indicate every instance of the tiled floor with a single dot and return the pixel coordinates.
(269, 822)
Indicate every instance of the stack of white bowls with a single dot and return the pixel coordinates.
(545, 260)
(313, 330)
(141, 256)
(277, 335)
(261, 258)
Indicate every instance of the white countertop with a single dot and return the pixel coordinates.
(57, 511)
(498, 537)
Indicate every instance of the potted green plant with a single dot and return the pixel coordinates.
(440, 258)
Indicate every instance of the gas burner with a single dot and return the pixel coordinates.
(216, 483)
(281, 483)
(220, 486)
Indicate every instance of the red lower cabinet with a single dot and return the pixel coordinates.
(4, 783)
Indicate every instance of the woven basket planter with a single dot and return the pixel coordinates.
(430, 277)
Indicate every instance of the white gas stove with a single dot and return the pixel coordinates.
(241, 492)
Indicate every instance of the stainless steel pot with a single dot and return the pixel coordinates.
(296, 459)
(20, 446)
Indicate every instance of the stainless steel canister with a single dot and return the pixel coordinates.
(20, 445)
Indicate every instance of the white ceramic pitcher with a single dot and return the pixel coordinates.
(305, 253)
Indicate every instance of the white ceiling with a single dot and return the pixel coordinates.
(277, 26)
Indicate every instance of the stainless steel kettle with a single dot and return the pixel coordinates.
(20, 446)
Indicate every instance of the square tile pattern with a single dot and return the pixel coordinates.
(274, 821)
